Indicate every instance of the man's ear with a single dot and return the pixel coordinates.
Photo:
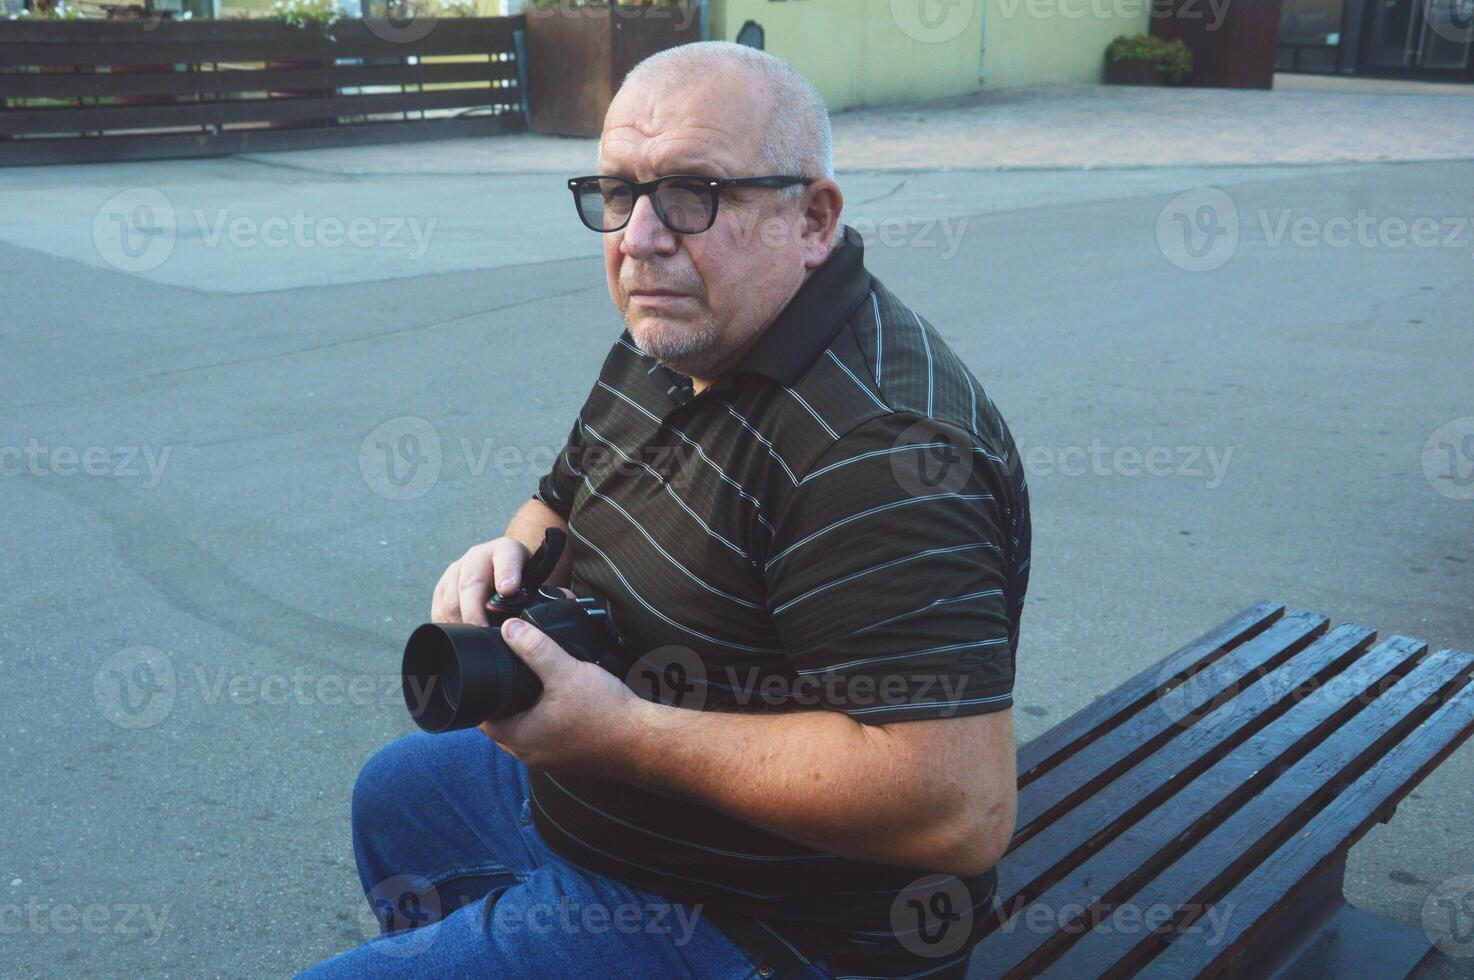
(822, 203)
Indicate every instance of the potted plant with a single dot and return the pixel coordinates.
(1143, 59)
(578, 52)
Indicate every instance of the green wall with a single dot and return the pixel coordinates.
(1042, 42)
(866, 52)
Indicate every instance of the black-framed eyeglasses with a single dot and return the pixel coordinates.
(684, 203)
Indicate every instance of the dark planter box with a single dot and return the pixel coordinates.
(1236, 52)
(577, 58)
(1132, 71)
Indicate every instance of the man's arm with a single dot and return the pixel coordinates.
(938, 794)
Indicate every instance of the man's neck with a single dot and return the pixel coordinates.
(712, 375)
(699, 385)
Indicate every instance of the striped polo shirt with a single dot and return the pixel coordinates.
(839, 523)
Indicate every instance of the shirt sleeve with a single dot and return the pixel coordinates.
(887, 579)
(559, 484)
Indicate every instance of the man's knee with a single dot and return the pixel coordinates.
(389, 784)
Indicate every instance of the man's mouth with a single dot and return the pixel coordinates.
(658, 297)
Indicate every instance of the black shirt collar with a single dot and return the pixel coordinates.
(812, 319)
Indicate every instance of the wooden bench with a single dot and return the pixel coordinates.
(1195, 821)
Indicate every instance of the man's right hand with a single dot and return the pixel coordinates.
(469, 582)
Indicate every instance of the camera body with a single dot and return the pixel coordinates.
(457, 675)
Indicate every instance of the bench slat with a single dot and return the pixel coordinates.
(1178, 803)
(1081, 728)
(1234, 847)
(1083, 773)
(1270, 888)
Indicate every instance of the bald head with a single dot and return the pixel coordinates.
(791, 126)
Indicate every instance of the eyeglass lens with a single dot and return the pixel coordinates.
(686, 205)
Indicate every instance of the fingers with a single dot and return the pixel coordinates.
(474, 587)
(536, 648)
(463, 590)
(508, 555)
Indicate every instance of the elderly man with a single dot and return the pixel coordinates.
(786, 485)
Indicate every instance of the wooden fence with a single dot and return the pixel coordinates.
(74, 91)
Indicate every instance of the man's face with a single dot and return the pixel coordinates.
(696, 302)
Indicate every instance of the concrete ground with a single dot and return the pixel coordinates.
(1306, 119)
(251, 408)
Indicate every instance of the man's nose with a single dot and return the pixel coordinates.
(646, 234)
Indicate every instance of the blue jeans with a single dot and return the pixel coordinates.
(462, 884)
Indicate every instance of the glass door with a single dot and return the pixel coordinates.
(1448, 29)
(1431, 34)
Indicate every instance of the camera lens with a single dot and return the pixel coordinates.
(457, 676)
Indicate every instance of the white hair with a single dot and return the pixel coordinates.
(798, 141)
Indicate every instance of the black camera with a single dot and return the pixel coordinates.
(457, 675)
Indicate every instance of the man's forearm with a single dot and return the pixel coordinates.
(528, 525)
(879, 793)
(885, 793)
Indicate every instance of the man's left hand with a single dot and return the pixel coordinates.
(582, 718)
